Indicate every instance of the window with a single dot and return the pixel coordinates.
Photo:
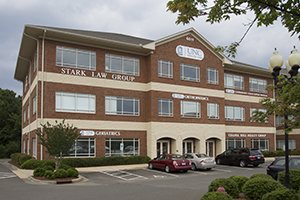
(258, 85)
(83, 147)
(261, 144)
(34, 149)
(165, 69)
(24, 115)
(281, 144)
(122, 65)
(234, 113)
(34, 105)
(234, 143)
(122, 147)
(75, 58)
(252, 110)
(189, 73)
(165, 107)
(213, 111)
(190, 109)
(75, 102)
(122, 106)
(28, 112)
(212, 76)
(234, 81)
(35, 61)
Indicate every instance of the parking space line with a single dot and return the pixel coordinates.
(198, 172)
(4, 175)
(222, 170)
(160, 172)
(123, 174)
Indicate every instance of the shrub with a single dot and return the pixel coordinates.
(33, 164)
(48, 167)
(60, 173)
(72, 172)
(64, 166)
(255, 188)
(39, 172)
(23, 158)
(294, 178)
(19, 158)
(216, 196)
(240, 181)
(49, 174)
(261, 176)
(229, 185)
(280, 195)
(48, 163)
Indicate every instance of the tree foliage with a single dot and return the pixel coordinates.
(266, 12)
(10, 122)
(58, 139)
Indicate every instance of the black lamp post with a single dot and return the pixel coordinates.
(292, 65)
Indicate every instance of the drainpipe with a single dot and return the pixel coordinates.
(42, 87)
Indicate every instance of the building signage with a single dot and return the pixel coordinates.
(189, 52)
(246, 135)
(231, 91)
(99, 133)
(94, 74)
(183, 96)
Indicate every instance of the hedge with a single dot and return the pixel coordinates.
(282, 194)
(261, 176)
(229, 185)
(105, 161)
(240, 181)
(19, 158)
(294, 178)
(33, 164)
(279, 153)
(216, 196)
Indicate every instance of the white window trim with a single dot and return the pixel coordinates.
(122, 140)
(197, 111)
(170, 69)
(183, 78)
(258, 140)
(217, 76)
(233, 76)
(208, 111)
(122, 71)
(122, 99)
(257, 82)
(234, 118)
(161, 114)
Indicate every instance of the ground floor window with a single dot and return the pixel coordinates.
(261, 144)
(233, 143)
(122, 147)
(281, 144)
(34, 150)
(83, 147)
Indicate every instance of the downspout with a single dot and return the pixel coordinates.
(42, 87)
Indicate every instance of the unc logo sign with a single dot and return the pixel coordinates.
(189, 52)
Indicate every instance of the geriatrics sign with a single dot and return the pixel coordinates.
(189, 52)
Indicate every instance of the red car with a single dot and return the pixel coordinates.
(170, 163)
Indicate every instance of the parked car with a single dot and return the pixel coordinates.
(242, 157)
(200, 161)
(170, 163)
(278, 165)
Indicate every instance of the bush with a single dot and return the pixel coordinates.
(294, 178)
(60, 173)
(19, 158)
(33, 164)
(280, 195)
(105, 161)
(216, 196)
(261, 176)
(72, 172)
(64, 166)
(255, 188)
(49, 174)
(39, 172)
(229, 185)
(240, 181)
(24, 158)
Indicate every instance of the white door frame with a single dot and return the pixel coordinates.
(213, 142)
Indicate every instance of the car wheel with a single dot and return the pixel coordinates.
(194, 168)
(208, 169)
(218, 161)
(184, 171)
(255, 165)
(167, 169)
(243, 163)
(150, 166)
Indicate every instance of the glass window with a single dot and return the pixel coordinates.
(252, 110)
(122, 147)
(189, 73)
(122, 106)
(34, 105)
(234, 113)
(234, 143)
(190, 109)
(122, 65)
(74, 102)
(234, 81)
(34, 149)
(261, 144)
(165, 107)
(212, 76)
(83, 147)
(75, 58)
(258, 85)
(213, 110)
(165, 69)
(281, 144)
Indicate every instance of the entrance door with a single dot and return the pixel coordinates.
(210, 148)
(187, 146)
(162, 147)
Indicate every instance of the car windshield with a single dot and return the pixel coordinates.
(255, 152)
(201, 155)
(177, 157)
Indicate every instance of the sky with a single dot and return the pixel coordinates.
(141, 18)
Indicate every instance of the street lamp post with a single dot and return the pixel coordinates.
(292, 65)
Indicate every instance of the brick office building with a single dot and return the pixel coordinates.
(134, 96)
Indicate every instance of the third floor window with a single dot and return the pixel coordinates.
(257, 85)
(122, 65)
(165, 69)
(234, 81)
(189, 73)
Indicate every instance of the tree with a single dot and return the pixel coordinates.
(266, 12)
(10, 122)
(58, 139)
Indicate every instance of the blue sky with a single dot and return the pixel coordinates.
(142, 18)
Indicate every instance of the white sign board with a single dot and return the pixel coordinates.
(189, 52)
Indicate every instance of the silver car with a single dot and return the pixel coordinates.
(200, 161)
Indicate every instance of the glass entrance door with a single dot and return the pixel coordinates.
(210, 148)
(187, 146)
(162, 147)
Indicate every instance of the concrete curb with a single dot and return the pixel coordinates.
(111, 168)
(32, 180)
